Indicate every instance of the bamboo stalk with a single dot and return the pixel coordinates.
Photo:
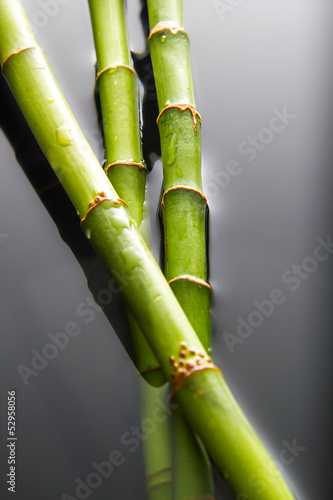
(117, 85)
(206, 400)
(156, 446)
(183, 204)
(184, 209)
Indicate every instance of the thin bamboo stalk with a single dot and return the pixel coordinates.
(117, 85)
(118, 93)
(184, 205)
(184, 209)
(156, 445)
(206, 400)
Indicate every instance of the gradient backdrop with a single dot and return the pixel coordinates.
(252, 61)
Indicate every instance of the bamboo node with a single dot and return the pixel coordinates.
(15, 53)
(183, 107)
(185, 188)
(193, 279)
(154, 474)
(115, 66)
(148, 370)
(141, 166)
(102, 196)
(161, 483)
(167, 25)
(190, 361)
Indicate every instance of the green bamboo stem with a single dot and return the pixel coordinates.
(118, 93)
(191, 468)
(117, 85)
(205, 398)
(184, 210)
(156, 446)
(184, 217)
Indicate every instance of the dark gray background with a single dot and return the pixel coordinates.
(262, 55)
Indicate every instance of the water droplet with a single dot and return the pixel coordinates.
(131, 258)
(88, 233)
(171, 158)
(172, 139)
(50, 99)
(179, 173)
(163, 38)
(132, 222)
(63, 135)
(120, 223)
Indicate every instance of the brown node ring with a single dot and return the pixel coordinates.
(98, 200)
(185, 188)
(162, 483)
(166, 25)
(190, 361)
(15, 53)
(148, 478)
(148, 370)
(193, 279)
(141, 166)
(116, 66)
(183, 107)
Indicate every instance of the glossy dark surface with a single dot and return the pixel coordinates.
(269, 204)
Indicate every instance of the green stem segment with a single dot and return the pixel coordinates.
(205, 398)
(156, 446)
(117, 85)
(118, 94)
(184, 206)
(184, 210)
